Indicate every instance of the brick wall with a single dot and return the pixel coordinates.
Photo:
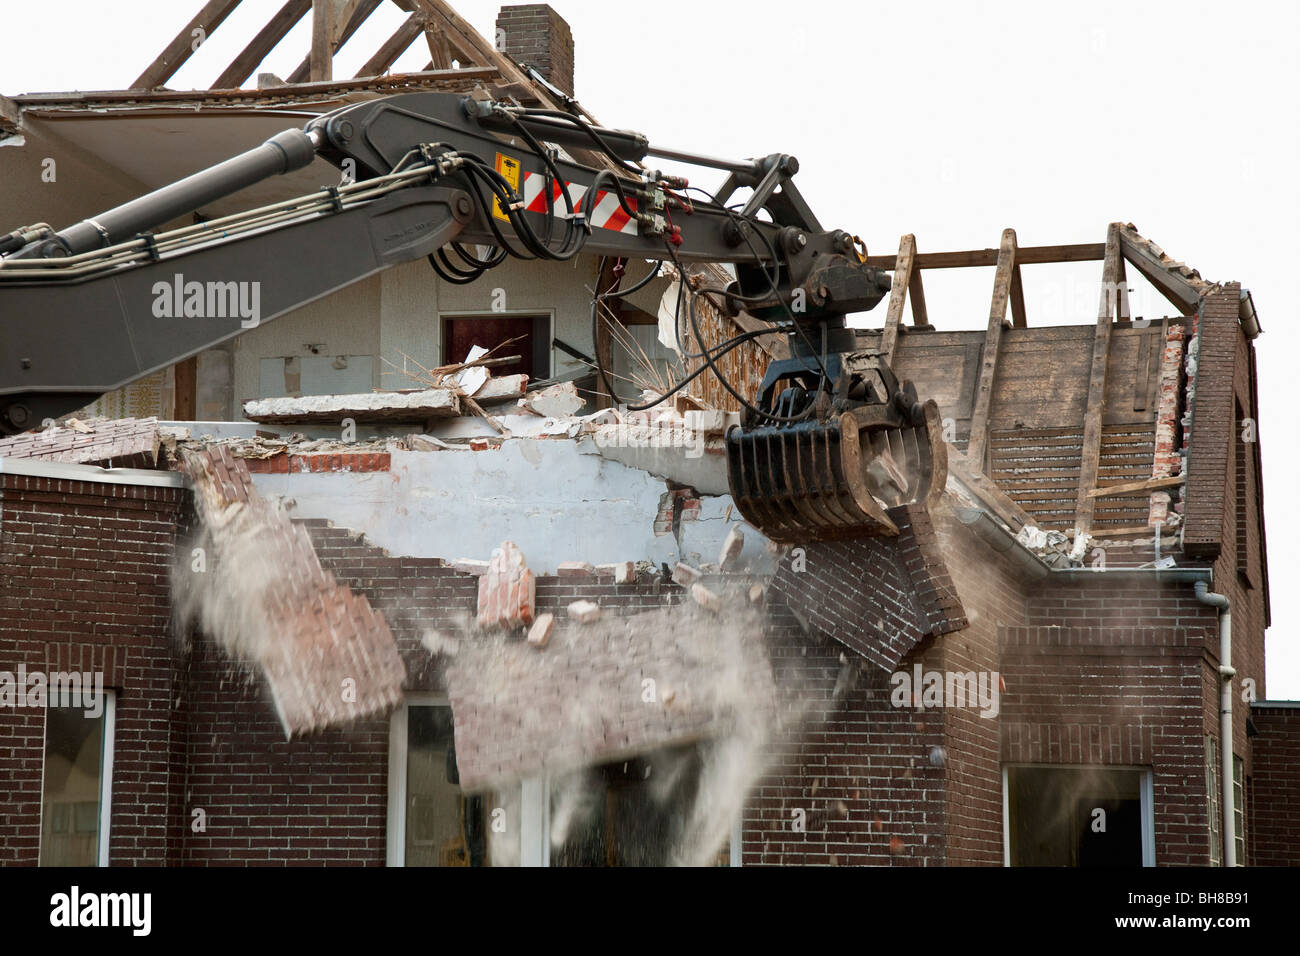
(1273, 827)
(83, 584)
(538, 36)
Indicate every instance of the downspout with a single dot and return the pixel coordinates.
(1220, 601)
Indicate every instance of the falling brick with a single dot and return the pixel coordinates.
(539, 635)
(706, 598)
(731, 548)
(756, 594)
(584, 612)
(507, 591)
(685, 575)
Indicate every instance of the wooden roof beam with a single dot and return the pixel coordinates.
(1029, 255)
(393, 47)
(897, 296)
(355, 14)
(183, 45)
(1091, 454)
(979, 423)
(1185, 296)
(242, 66)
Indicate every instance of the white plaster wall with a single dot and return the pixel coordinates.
(554, 500)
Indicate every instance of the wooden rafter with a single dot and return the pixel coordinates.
(1091, 456)
(182, 47)
(439, 48)
(902, 279)
(916, 295)
(242, 66)
(1017, 298)
(322, 40)
(1183, 294)
(1028, 256)
(979, 423)
(393, 47)
(355, 14)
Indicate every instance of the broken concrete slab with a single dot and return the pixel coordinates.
(366, 407)
(539, 635)
(557, 401)
(505, 388)
(731, 548)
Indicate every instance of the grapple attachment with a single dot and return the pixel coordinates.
(835, 474)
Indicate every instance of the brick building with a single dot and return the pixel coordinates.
(1027, 673)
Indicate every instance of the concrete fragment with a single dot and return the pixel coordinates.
(557, 401)
(711, 422)
(731, 548)
(470, 566)
(706, 598)
(505, 388)
(507, 593)
(366, 407)
(685, 575)
(624, 572)
(584, 612)
(539, 635)
(575, 569)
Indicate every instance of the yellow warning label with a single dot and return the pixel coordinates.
(508, 167)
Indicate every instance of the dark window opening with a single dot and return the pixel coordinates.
(533, 332)
(72, 787)
(1086, 817)
(444, 825)
(628, 813)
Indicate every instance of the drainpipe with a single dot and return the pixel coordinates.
(1220, 601)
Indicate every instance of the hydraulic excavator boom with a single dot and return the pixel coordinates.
(823, 449)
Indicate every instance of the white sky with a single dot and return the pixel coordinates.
(948, 120)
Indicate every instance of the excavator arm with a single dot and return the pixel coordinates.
(444, 176)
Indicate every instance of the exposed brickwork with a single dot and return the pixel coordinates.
(83, 584)
(121, 443)
(1273, 828)
(319, 461)
(1208, 501)
(1168, 455)
(538, 36)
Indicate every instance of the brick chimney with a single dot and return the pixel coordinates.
(536, 35)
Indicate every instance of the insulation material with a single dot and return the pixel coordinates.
(257, 587)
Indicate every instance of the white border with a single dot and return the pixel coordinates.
(106, 777)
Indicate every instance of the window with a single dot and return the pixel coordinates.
(1078, 816)
(76, 785)
(533, 345)
(1239, 809)
(1212, 765)
(634, 812)
(432, 822)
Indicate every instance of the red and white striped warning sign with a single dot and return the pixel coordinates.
(607, 213)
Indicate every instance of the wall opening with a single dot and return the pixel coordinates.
(1078, 816)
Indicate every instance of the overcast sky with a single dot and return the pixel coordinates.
(948, 120)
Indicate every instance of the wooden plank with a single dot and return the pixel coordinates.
(1092, 425)
(1137, 487)
(9, 117)
(607, 280)
(356, 14)
(182, 47)
(266, 40)
(184, 387)
(1029, 255)
(1185, 296)
(897, 296)
(439, 48)
(1010, 513)
(1142, 373)
(1017, 298)
(461, 37)
(916, 292)
(322, 40)
(393, 47)
(992, 340)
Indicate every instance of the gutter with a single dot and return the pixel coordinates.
(1226, 673)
